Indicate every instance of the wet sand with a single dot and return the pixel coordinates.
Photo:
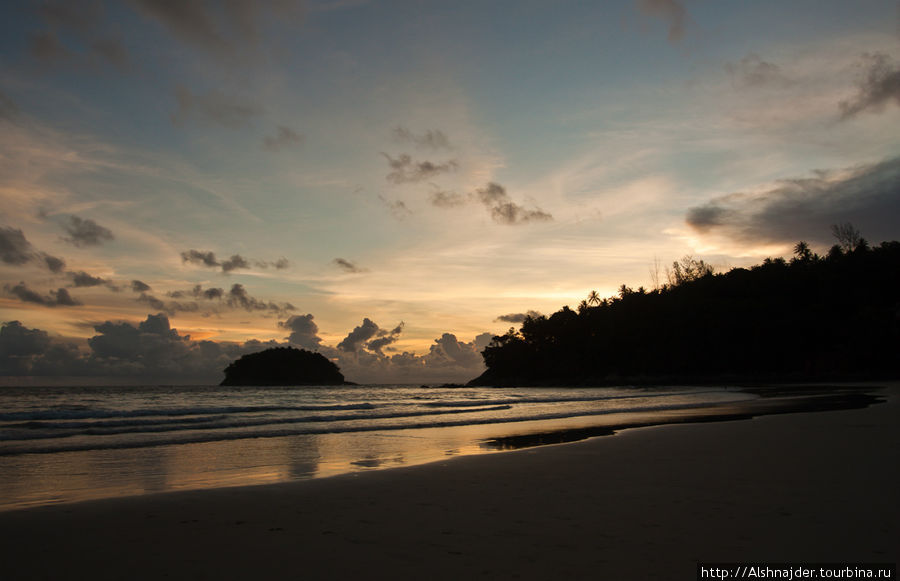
(648, 503)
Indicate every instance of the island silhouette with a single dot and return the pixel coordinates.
(283, 366)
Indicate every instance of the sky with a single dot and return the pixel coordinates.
(391, 183)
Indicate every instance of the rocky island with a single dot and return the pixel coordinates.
(283, 366)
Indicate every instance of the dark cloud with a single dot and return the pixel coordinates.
(150, 349)
(8, 108)
(347, 266)
(82, 279)
(153, 349)
(54, 264)
(139, 286)
(239, 298)
(56, 298)
(805, 208)
(213, 108)
(199, 257)
(431, 139)
(235, 262)
(304, 331)
(14, 247)
(18, 345)
(226, 30)
(878, 85)
(384, 339)
(448, 351)
(752, 71)
(208, 258)
(86, 232)
(405, 170)
(671, 11)
(517, 317)
(357, 338)
(286, 138)
(168, 307)
(504, 211)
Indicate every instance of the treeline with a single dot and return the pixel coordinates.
(833, 317)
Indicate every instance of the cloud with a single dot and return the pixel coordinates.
(671, 11)
(208, 258)
(213, 108)
(431, 139)
(18, 345)
(14, 247)
(86, 232)
(53, 263)
(347, 266)
(878, 85)
(357, 338)
(405, 170)
(504, 211)
(238, 297)
(384, 339)
(150, 349)
(82, 279)
(56, 298)
(398, 207)
(169, 307)
(804, 208)
(139, 286)
(235, 262)
(447, 199)
(286, 138)
(517, 317)
(304, 331)
(153, 349)
(205, 258)
(752, 71)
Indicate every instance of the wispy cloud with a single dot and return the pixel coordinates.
(347, 266)
(213, 108)
(431, 139)
(405, 170)
(671, 11)
(285, 138)
(753, 71)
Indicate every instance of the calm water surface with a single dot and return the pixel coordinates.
(63, 444)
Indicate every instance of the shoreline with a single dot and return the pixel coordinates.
(648, 503)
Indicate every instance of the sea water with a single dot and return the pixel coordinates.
(63, 444)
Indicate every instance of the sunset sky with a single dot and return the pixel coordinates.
(392, 182)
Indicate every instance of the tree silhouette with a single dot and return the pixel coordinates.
(813, 318)
(593, 298)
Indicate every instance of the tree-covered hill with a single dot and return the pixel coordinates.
(810, 318)
(283, 366)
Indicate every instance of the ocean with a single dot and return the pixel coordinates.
(65, 444)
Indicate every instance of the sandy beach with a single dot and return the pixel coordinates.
(648, 503)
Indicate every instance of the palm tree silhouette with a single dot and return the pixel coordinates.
(593, 298)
